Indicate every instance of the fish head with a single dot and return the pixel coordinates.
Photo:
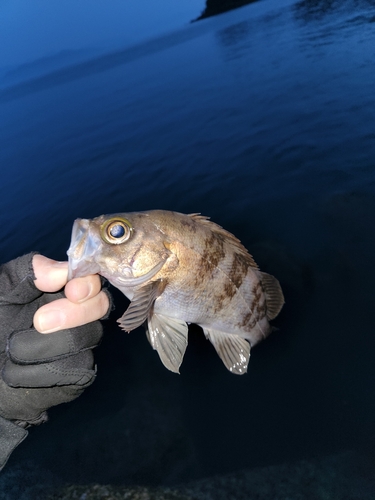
(127, 249)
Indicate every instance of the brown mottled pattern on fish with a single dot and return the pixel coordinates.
(179, 269)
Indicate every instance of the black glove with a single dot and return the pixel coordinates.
(37, 370)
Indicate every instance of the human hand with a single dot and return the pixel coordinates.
(39, 371)
(83, 303)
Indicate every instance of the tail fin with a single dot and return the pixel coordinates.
(274, 295)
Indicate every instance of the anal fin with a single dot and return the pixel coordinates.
(169, 337)
(233, 350)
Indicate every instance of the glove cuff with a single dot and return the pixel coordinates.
(11, 435)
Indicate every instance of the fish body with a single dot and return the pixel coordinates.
(178, 269)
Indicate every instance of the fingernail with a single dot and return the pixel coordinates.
(51, 321)
(60, 265)
(59, 272)
(84, 291)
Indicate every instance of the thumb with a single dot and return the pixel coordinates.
(51, 275)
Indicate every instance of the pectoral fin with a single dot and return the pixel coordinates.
(169, 337)
(233, 350)
(138, 311)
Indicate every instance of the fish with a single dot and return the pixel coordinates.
(177, 269)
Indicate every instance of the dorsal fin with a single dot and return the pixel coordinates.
(223, 233)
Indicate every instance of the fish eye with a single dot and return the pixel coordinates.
(116, 231)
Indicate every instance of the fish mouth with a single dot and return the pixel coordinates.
(82, 250)
(86, 247)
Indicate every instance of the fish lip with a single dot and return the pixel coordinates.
(82, 268)
(81, 251)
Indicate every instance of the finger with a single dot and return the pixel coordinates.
(73, 370)
(29, 347)
(51, 275)
(63, 313)
(80, 289)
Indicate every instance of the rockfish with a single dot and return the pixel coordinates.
(178, 269)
